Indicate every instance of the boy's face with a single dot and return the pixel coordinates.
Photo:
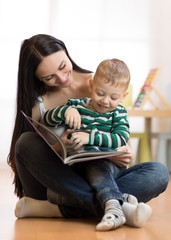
(106, 96)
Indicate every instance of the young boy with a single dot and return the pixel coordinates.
(106, 125)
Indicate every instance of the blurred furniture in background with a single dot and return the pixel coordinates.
(143, 150)
(137, 110)
(144, 146)
(164, 148)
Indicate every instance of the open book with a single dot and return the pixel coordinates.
(59, 148)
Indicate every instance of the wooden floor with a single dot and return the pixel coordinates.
(157, 228)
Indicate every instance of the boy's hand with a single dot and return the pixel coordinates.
(79, 139)
(73, 118)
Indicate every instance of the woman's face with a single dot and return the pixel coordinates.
(55, 70)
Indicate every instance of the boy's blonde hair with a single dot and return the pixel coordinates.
(114, 71)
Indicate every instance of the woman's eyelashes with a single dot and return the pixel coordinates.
(49, 77)
(62, 67)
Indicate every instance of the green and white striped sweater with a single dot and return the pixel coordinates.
(107, 130)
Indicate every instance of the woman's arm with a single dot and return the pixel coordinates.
(36, 113)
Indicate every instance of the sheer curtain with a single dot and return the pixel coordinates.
(92, 30)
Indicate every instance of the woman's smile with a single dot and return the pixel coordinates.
(67, 79)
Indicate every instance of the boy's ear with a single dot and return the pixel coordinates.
(124, 96)
(90, 85)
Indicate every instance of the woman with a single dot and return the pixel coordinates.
(47, 78)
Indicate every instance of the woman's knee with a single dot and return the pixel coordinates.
(161, 174)
(23, 142)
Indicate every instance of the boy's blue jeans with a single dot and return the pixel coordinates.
(39, 169)
(102, 176)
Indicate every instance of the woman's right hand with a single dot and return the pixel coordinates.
(65, 135)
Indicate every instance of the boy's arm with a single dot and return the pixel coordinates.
(118, 136)
(55, 116)
(115, 139)
(66, 113)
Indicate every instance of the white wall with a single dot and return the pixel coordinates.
(18, 20)
(160, 52)
(135, 31)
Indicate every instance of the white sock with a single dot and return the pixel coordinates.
(136, 215)
(130, 198)
(113, 218)
(29, 207)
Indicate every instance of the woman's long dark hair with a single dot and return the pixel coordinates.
(30, 87)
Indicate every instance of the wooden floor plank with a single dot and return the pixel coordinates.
(158, 227)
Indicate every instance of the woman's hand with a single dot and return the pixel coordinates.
(123, 160)
(64, 138)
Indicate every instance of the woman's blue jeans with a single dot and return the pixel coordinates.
(39, 169)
